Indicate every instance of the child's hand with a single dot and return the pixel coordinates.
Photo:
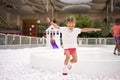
(48, 20)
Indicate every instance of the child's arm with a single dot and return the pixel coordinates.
(90, 29)
(52, 23)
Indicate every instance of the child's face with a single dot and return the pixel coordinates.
(71, 25)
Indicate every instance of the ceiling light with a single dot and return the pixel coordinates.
(75, 1)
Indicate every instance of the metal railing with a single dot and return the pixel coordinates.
(10, 39)
(96, 41)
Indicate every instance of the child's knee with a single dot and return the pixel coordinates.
(73, 60)
(67, 57)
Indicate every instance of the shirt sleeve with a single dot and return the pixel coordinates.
(78, 30)
(62, 29)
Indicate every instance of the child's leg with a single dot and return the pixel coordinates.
(67, 54)
(67, 59)
(116, 48)
(118, 45)
(74, 58)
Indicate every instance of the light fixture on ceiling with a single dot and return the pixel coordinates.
(75, 1)
(76, 8)
(99, 1)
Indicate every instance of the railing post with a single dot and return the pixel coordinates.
(6, 37)
(20, 40)
(105, 40)
(87, 41)
(29, 40)
(37, 40)
(96, 41)
(43, 42)
(99, 41)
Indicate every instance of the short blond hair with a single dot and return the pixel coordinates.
(71, 19)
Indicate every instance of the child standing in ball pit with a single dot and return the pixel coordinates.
(69, 39)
